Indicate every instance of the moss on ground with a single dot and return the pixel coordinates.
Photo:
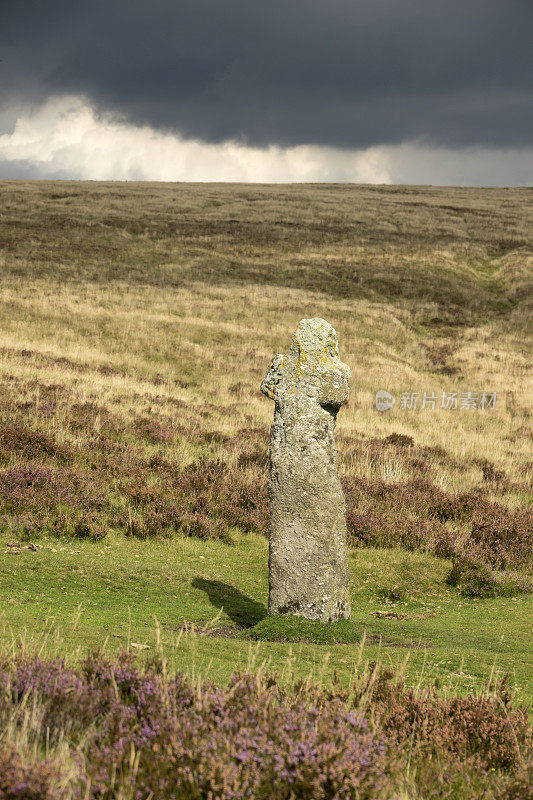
(286, 628)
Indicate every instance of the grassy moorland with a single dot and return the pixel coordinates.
(84, 594)
(136, 323)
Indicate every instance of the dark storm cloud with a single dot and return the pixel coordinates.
(346, 73)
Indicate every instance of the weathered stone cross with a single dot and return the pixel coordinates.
(308, 569)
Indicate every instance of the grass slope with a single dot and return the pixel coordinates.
(78, 595)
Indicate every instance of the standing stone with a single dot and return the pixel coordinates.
(308, 568)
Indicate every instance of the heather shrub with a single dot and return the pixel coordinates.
(41, 489)
(21, 779)
(254, 457)
(498, 553)
(520, 787)
(246, 740)
(490, 473)
(154, 431)
(137, 732)
(506, 538)
(204, 527)
(482, 728)
(116, 486)
(22, 527)
(205, 499)
(474, 579)
(235, 497)
(423, 499)
(28, 443)
(478, 579)
(379, 528)
(75, 524)
(87, 526)
(400, 440)
(479, 733)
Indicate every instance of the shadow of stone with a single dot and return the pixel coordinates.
(241, 609)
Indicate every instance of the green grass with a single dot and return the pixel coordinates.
(287, 628)
(205, 602)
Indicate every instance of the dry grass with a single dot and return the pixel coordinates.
(130, 295)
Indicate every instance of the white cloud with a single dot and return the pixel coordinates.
(66, 138)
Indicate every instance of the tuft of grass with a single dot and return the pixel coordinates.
(288, 628)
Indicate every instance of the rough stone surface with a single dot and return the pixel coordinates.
(308, 569)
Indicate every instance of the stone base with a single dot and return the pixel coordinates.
(329, 611)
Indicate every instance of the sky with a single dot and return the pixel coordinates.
(369, 91)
